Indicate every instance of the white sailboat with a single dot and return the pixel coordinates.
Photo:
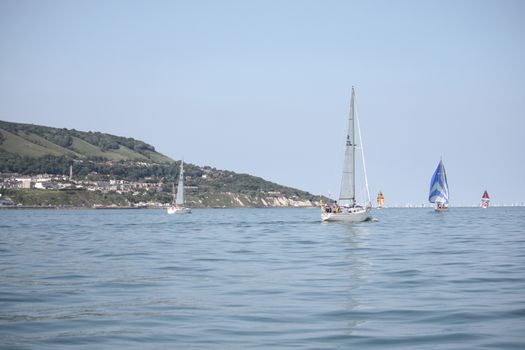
(178, 206)
(347, 210)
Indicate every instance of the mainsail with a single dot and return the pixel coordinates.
(439, 186)
(347, 193)
(179, 200)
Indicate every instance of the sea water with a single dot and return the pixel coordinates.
(262, 279)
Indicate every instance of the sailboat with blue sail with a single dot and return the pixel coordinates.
(439, 188)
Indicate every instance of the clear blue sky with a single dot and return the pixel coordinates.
(263, 87)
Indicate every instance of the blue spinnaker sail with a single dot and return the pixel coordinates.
(439, 186)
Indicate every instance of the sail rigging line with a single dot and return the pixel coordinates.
(362, 156)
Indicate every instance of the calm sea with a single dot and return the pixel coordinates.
(262, 279)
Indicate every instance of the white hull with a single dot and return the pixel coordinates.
(354, 215)
(441, 209)
(178, 210)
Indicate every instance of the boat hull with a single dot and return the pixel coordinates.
(354, 215)
(178, 210)
(442, 209)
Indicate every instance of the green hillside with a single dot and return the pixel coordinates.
(30, 150)
(36, 141)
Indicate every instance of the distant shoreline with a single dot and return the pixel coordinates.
(22, 207)
(27, 207)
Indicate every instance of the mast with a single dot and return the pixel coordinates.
(347, 193)
(353, 146)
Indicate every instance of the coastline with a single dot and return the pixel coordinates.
(28, 207)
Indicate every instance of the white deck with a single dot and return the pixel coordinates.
(352, 215)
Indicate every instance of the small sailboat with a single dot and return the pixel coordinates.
(347, 209)
(177, 206)
(485, 199)
(380, 200)
(439, 188)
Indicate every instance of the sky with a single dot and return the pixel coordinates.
(263, 87)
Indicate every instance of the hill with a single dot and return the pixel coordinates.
(37, 141)
(143, 174)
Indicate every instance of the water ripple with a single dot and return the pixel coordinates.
(262, 278)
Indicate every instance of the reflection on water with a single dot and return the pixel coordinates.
(355, 262)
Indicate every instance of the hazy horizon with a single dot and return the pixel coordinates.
(263, 87)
